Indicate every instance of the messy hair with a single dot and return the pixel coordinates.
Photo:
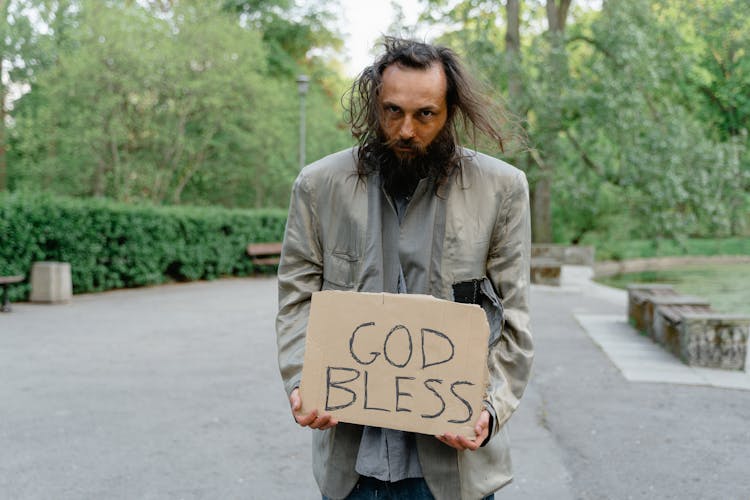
(469, 110)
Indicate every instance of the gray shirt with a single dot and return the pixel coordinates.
(387, 454)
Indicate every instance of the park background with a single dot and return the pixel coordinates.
(149, 141)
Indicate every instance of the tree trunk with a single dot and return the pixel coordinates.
(3, 149)
(513, 53)
(551, 121)
(541, 220)
(98, 181)
(557, 13)
(3, 96)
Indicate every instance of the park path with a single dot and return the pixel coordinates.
(173, 392)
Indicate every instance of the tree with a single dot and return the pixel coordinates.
(635, 112)
(717, 33)
(550, 119)
(134, 110)
(25, 50)
(647, 165)
(290, 32)
(170, 105)
(541, 107)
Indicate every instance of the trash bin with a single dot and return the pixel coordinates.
(51, 282)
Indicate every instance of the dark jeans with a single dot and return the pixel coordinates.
(368, 488)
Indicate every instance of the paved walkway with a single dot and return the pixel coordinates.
(172, 392)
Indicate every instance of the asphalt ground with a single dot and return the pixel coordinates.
(173, 392)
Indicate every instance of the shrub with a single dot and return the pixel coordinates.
(113, 245)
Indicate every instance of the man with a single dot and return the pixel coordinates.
(410, 211)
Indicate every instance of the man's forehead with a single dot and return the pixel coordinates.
(399, 81)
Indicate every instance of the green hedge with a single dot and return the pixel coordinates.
(112, 245)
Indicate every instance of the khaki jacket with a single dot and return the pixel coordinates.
(477, 228)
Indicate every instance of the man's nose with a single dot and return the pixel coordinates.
(407, 129)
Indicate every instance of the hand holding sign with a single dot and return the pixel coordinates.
(314, 419)
(326, 421)
(461, 443)
(408, 362)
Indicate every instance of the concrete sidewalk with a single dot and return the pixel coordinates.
(173, 392)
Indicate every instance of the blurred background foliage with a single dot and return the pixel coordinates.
(121, 245)
(189, 102)
(636, 113)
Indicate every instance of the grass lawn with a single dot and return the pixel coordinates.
(726, 286)
(634, 249)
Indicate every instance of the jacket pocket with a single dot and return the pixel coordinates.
(493, 307)
(481, 292)
(339, 271)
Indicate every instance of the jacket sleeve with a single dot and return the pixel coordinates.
(508, 266)
(300, 274)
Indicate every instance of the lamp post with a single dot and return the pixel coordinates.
(303, 83)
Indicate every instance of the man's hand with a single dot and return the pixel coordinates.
(313, 420)
(461, 443)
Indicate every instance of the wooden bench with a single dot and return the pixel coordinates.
(264, 254)
(5, 282)
(545, 271)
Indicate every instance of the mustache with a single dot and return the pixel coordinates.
(409, 144)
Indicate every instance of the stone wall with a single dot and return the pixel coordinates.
(569, 255)
(612, 267)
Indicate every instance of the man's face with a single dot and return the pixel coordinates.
(414, 108)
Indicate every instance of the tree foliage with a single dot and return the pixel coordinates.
(636, 113)
(638, 125)
(169, 102)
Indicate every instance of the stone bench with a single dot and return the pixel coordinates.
(640, 309)
(714, 340)
(668, 316)
(688, 327)
(669, 305)
(545, 271)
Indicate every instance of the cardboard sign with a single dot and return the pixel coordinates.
(408, 362)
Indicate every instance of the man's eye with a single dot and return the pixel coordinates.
(427, 113)
(393, 109)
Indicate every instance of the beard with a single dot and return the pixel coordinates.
(401, 172)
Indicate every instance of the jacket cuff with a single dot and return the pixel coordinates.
(491, 426)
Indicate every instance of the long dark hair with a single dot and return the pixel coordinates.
(469, 110)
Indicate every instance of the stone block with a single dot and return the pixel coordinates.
(663, 312)
(669, 313)
(714, 340)
(51, 282)
(545, 271)
(639, 308)
(569, 255)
